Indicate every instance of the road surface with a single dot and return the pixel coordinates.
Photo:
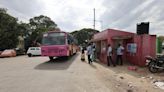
(38, 74)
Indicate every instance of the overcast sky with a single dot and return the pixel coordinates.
(73, 15)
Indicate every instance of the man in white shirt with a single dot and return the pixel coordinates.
(109, 55)
(120, 50)
(93, 52)
(89, 52)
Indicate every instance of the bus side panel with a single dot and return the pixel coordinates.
(74, 49)
(70, 50)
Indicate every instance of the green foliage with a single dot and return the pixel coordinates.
(8, 30)
(3, 10)
(24, 29)
(161, 38)
(40, 24)
(84, 35)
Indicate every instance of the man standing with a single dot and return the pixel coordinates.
(93, 52)
(120, 50)
(89, 52)
(109, 55)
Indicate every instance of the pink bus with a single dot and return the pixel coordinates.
(58, 44)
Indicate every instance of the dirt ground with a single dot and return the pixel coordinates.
(120, 79)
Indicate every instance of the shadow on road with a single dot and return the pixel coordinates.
(57, 64)
(93, 66)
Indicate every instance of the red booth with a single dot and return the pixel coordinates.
(136, 46)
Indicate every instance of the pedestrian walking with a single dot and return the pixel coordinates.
(120, 50)
(109, 56)
(93, 53)
(89, 52)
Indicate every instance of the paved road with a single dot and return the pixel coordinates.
(38, 74)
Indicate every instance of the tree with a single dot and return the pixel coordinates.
(8, 30)
(161, 38)
(84, 35)
(3, 10)
(24, 29)
(40, 24)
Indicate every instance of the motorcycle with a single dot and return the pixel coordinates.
(155, 64)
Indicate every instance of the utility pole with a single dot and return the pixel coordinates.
(94, 18)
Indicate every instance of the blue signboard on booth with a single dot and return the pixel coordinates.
(132, 47)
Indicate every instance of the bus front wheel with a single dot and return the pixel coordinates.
(51, 58)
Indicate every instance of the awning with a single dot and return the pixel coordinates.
(96, 40)
(113, 38)
(121, 37)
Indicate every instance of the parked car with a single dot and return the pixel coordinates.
(34, 51)
(19, 51)
(8, 53)
(1, 52)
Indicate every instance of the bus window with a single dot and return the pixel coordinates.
(54, 39)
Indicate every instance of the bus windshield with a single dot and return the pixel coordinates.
(55, 38)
